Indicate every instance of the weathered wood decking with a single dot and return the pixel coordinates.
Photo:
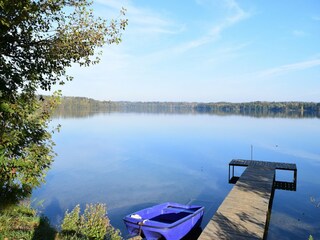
(245, 211)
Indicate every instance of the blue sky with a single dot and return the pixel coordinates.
(207, 51)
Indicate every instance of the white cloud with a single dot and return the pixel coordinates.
(288, 68)
(238, 14)
(143, 19)
(151, 23)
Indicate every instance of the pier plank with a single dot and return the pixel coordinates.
(244, 212)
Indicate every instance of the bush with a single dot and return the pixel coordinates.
(92, 224)
(94, 221)
(71, 221)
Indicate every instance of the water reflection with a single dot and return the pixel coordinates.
(72, 107)
(131, 160)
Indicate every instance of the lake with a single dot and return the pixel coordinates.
(135, 160)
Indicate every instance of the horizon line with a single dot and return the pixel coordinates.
(155, 101)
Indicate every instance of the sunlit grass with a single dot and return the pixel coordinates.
(22, 222)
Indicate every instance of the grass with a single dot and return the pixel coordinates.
(22, 222)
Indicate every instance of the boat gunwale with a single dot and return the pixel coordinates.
(169, 226)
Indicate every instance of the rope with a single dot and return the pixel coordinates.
(140, 226)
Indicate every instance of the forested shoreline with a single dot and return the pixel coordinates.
(81, 107)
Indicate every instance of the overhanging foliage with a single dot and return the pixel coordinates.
(39, 40)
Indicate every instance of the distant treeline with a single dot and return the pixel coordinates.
(82, 107)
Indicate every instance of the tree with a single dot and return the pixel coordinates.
(39, 40)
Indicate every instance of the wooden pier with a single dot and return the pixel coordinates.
(245, 212)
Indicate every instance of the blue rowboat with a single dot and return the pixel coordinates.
(168, 220)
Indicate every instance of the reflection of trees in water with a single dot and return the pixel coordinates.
(74, 107)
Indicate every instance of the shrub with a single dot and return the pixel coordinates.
(71, 221)
(92, 224)
(94, 221)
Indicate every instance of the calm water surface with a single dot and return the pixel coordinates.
(131, 161)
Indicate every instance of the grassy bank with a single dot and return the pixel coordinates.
(22, 222)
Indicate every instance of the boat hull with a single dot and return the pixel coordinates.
(168, 220)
